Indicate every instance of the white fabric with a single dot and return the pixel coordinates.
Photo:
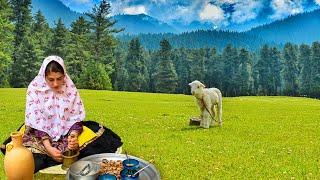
(49, 111)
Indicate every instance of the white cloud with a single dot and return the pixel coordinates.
(135, 10)
(317, 1)
(185, 13)
(180, 12)
(219, 2)
(159, 1)
(283, 8)
(246, 10)
(212, 13)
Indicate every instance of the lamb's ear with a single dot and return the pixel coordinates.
(190, 84)
(202, 85)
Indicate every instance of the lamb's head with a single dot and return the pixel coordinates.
(196, 88)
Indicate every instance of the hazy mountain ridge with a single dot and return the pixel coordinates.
(53, 10)
(141, 23)
(301, 28)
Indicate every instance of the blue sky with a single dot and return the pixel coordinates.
(221, 13)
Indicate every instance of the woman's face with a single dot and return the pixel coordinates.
(55, 80)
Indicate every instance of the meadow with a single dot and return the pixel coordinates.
(261, 138)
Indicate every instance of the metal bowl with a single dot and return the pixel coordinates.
(84, 170)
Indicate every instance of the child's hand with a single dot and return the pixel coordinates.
(73, 143)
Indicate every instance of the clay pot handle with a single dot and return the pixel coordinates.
(9, 147)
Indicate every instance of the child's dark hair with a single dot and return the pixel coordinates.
(53, 66)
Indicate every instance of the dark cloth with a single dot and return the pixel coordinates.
(42, 161)
(108, 142)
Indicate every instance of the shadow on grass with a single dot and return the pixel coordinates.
(197, 128)
(40, 176)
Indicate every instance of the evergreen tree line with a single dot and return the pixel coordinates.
(96, 60)
(199, 38)
(291, 71)
(87, 48)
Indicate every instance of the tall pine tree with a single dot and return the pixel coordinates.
(154, 58)
(230, 71)
(197, 68)
(59, 40)
(255, 74)
(290, 70)
(24, 55)
(165, 76)
(78, 53)
(182, 64)
(22, 19)
(315, 71)
(305, 75)
(214, 75)
(102, 42)
(6, 40)
(194, 73)
(121, 74)
(244, 72)
(41, 36)
(262, 68)
(275, 72)
(27, 56)
(138, 78)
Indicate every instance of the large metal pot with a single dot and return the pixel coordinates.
(84, 170)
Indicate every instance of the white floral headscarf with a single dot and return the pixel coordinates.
(51, 112)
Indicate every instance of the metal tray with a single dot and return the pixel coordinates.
(150, 173)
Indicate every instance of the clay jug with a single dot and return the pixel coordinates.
(18, 160)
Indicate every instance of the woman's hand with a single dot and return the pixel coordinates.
(73, 143)
(53, 152)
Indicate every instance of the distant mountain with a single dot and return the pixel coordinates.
(144, 24)
(301, 28)
(53, 10)
(192, 26)
(141, 23)
(133, 24)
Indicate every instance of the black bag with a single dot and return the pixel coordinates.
(108, 142)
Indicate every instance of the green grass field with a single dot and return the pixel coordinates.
(261, 138)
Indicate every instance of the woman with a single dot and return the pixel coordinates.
(54, 118)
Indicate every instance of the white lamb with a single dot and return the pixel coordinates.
(209, 101)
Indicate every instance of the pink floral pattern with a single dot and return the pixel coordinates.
(51, 112)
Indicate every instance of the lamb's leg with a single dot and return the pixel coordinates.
(201, 108)
(220, 113)
(208, 109)
(214, 116)
(205, 122)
